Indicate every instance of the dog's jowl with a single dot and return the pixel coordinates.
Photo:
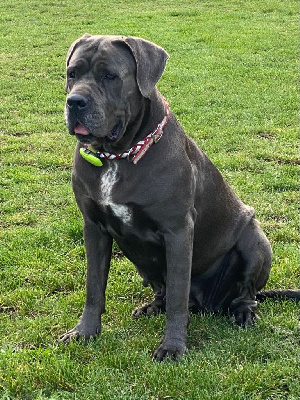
(140, 180)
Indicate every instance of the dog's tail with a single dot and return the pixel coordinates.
(278, 294)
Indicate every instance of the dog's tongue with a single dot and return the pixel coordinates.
(80, 130)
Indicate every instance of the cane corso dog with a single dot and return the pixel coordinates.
(140, 180)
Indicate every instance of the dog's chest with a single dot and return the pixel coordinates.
(108, 182)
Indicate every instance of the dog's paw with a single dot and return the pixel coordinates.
(148, 310)
(172, 350)
(81, 331)
(243, 311)
(245, 318)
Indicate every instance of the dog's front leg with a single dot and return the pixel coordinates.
(179, 248)
(98, 245)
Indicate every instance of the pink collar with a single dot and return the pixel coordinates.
(139, 149)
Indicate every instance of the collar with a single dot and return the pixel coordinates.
(138, 150)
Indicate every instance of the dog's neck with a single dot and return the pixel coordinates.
(154, 112)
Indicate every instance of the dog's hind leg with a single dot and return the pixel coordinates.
(256, 254)
(156, 306)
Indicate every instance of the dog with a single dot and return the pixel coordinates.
(140, 180)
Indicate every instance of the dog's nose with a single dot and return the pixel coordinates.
(77, 101)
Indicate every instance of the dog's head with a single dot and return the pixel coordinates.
(107, 79)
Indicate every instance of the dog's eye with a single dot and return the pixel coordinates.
(71, 74)
(108, 77)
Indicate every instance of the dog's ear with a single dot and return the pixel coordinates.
(150, 61)
(74, 45)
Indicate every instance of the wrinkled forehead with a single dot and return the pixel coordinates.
(111, 52)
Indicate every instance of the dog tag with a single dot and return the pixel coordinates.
(90, 157)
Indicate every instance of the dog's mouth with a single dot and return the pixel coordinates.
(115, 132)
(84, 136)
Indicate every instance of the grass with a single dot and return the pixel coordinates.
(231, 79)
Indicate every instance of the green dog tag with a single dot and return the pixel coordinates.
(91, 157)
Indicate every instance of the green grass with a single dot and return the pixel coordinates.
(231, 79)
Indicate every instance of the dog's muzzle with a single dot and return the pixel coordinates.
(76, 111)
(79, 120)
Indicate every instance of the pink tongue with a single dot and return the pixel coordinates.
(80, 130)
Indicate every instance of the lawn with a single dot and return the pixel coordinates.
(232, 81)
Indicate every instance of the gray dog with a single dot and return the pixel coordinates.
(139, 179)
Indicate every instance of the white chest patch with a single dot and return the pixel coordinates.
(108, 180)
